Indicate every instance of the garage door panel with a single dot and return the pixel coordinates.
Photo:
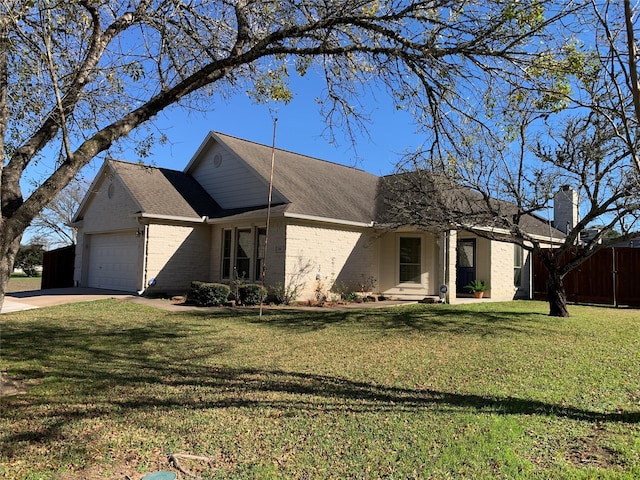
(113, 261)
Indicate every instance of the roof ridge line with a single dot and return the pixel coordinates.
(294, 153)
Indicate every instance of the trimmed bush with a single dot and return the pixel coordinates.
(206, 294)
(251, 293)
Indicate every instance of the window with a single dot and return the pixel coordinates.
(467, 253)
(226, 253)
(243, 254)
(261, 233)
(410, 260)
(518, 258)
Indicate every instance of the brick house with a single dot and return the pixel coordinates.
(146, 229)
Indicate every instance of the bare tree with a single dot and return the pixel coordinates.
(79, 77)
(491, 185)
(53, 223)
(616, 50)
(582, 133)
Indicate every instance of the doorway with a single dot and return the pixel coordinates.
(465, 263)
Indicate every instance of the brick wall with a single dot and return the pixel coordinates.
(501, 284)
(335, 256)
(176, 256)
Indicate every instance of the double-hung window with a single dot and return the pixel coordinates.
(244, 246)
(518, 260)
(261, 234)
(410, 259)
(242, 253)
(227, 236)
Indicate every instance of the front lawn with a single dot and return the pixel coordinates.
(19, 282)
(491, 390)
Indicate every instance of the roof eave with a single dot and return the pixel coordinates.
(337, 221)
(157, 216)
(505, 232)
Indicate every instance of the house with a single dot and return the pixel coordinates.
(143, 229)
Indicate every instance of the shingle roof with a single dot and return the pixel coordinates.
(426, 199)
(161, 191)
(313, 187)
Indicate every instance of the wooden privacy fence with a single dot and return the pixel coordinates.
(57, 267)
(609, 277)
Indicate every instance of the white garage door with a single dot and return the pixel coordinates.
(113, 261)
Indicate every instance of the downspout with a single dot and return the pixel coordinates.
(530, 255)
(445, 267)
(145, 252)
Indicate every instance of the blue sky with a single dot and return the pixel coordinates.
(300, 129)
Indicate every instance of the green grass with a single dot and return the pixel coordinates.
(21, 283)
(490, 390)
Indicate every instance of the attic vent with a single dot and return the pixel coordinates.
(217, 160)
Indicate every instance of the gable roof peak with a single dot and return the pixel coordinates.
(222, 136)
(163, 191)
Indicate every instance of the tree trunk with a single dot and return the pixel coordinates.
(557, 296)
(8, 250)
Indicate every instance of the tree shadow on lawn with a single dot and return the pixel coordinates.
(105, 372)
(421, 319)
(198, 388)
(341, 394)
(126, 355)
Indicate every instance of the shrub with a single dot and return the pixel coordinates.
(251, 294)
(209, 294)
(284, 294)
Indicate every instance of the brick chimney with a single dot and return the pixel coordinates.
(565, 209)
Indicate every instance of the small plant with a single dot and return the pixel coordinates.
(236, 282)
(350, 294)
(320, 293)
(282, 294)
(288, 292)
(368, 284)
(477, 286)
(351, 297)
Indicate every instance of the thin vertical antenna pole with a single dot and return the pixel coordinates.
(266, 234)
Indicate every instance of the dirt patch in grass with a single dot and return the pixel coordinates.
(590, 452)
(10, 387)
(125, 467)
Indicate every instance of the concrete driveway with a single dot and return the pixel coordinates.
(18, 301)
